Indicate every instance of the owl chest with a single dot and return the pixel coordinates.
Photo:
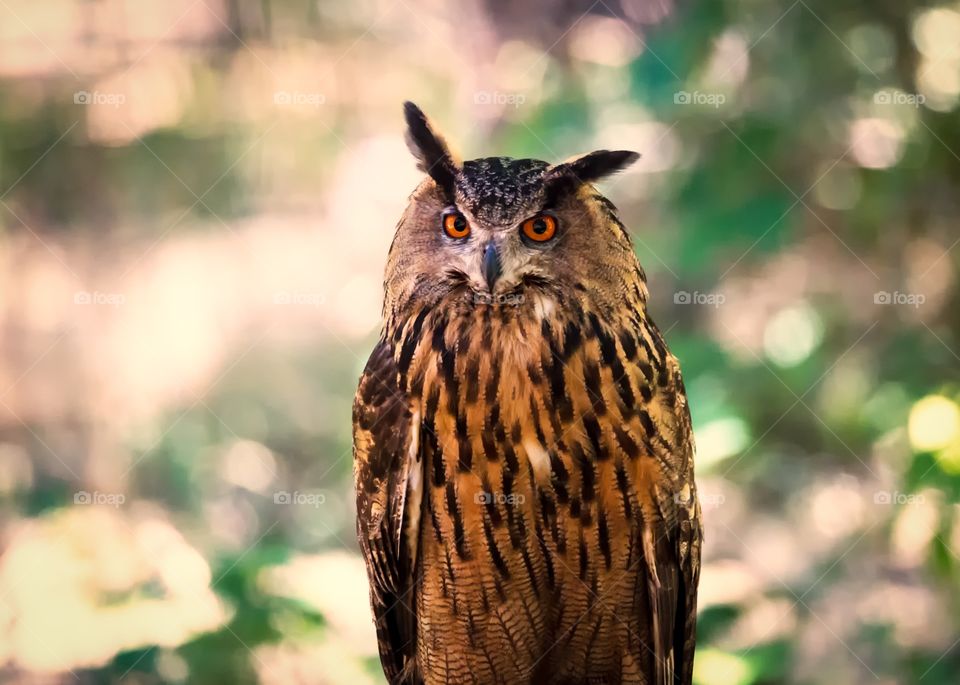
(549, 415)
(490, 427)
(483, 409)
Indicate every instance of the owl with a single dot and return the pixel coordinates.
(523, 455)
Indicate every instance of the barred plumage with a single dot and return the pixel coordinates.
(523, 450)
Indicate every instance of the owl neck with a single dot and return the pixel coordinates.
(514, 332)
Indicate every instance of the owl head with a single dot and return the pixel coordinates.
(494, 231)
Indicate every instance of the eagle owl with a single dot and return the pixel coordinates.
(523, 455)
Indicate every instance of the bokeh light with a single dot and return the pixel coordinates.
(196, 203)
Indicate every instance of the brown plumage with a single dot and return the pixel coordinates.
(523, 453)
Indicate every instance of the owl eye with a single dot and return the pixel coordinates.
(540, 228)
(455, 225)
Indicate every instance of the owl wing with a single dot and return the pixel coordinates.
(384, 439)
(690, 537)
(673, 550)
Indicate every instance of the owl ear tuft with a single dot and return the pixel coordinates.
(568, 175)
(594, 165)
(433, 155)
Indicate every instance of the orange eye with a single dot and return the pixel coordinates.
(455, 225)
(540, 228)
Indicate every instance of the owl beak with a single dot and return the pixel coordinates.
(492, 268)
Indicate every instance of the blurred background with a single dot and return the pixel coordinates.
(196, 202)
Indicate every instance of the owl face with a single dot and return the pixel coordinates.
(495, 229)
